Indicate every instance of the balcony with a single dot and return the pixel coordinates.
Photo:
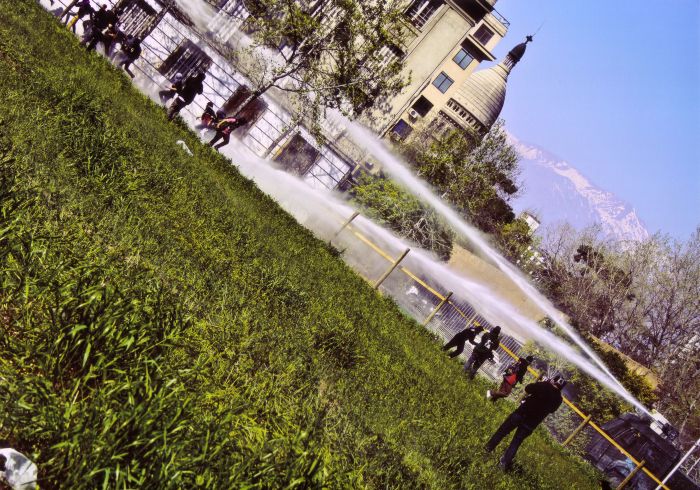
(499, 17)
(421, 11)
(477, 10)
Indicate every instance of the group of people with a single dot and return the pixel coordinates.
(184, 90)
(101, 27)
(541, 398)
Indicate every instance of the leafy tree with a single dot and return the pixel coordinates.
(323, 54)
(389, 204)
(477, 178)
(642, 298)
(517, 243)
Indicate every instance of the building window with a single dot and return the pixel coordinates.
(463, 58)
(422, 106)
(402, 129)
(187, 59)
(136, 18)
(420, 11)
(443, 82)
(483, 34)
(387, 55)
(464, 115)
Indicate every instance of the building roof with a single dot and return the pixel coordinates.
(484, 93)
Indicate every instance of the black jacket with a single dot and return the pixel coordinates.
(468, 334)
(487, 344)
(102, 18)
(132, 49)
(520, 369)
(190, 89)
(542, 399)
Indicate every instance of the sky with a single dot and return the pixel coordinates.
(613, 88)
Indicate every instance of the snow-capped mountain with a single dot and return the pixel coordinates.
(558, 192)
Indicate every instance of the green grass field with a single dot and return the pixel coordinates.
(166, 325)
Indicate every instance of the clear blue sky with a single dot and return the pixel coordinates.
(613, 87)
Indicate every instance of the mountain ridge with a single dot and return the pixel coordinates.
(556, 191)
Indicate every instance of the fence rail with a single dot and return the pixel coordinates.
(462, 315)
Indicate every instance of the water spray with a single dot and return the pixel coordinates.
(203, 14)
(305, 203)
(401, 172)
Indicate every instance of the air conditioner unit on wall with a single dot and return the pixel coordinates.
(413, 114)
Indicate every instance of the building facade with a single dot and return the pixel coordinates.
(445, 42)
(441, 45)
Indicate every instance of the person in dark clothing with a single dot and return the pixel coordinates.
(459, 340)
(84, 9)
(224, 129)
(104, 29)
(103, 18)
(131, 50)
(542, 399)
(483, 351)
(190, 89)
(106, 36)
(513, 375)
(208, 119)
(169, 93)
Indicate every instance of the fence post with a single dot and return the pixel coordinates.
(577, 430)
(438, 308)
(286, 132)
(391, 269)
(631, 475)
(347, 222)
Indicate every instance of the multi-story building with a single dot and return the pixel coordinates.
(441, 45)
(445, 42)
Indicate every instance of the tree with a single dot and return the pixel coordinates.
(517, 243)
(476, 176)
(587, 278)
(390, 205)
(322, 54)
(642, 298)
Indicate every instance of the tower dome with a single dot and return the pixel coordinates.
(483, 93)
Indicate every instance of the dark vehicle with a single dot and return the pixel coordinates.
(635, 434)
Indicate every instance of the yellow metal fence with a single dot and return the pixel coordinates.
(467, 314)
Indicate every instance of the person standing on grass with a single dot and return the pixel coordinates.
(513, 375)
(461, 338)
(131, 50)
(106, 36)
(191, 87)
(483, 351)
(224, 129)
(104, 29)
(542, 399)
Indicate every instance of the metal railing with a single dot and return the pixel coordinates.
(499, 17)
(445, 315)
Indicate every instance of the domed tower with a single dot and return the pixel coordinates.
(478, 102)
